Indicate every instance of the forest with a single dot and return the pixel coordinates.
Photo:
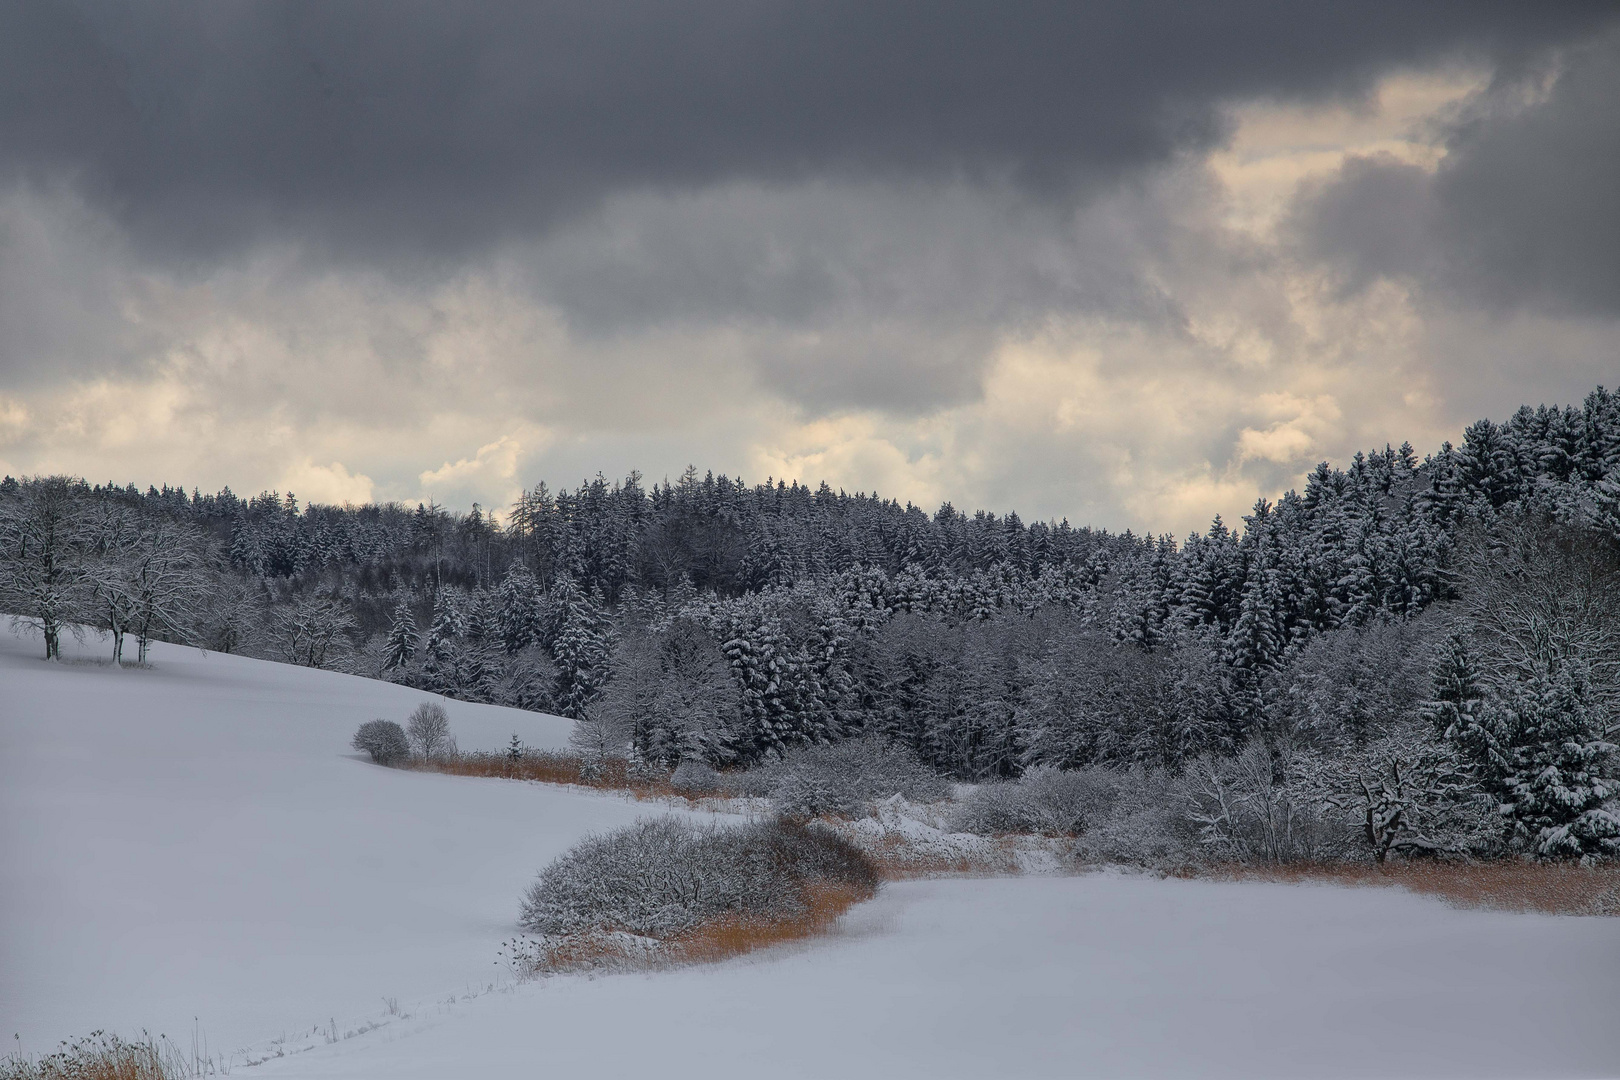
(1425, 649)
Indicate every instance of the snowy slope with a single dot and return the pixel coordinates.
(197, 840)
(1102, 975)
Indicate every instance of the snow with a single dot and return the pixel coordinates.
(195, 847)
(1101, 975)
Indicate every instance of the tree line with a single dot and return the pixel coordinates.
(1439, 625)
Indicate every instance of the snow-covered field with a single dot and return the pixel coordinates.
(194, 847)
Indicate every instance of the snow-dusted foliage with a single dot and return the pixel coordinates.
(1044, 800)
(384, 740)
(695, 776)
(45, 540)
(845, 778)
(667, 875)
(1263, 807)
(671, 698)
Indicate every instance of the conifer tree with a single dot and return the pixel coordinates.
(580, 648)
(400, 648)
(1550, 767)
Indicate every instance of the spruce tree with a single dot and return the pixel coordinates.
(402, 639)
(1552, 770)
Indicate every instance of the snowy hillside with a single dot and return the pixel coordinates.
(195, 847)
(198, 840)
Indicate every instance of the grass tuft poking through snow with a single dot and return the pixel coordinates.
(100, 1056)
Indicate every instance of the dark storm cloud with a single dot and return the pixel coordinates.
(1523, 211)
(429, 128)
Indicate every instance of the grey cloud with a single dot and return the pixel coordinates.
(1521, 213)
(1370, 220)
(861, 295)
(63, 280)
(1527, 203)
(415, 128)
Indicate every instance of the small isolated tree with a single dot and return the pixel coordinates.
(429, 730)
(384, 740)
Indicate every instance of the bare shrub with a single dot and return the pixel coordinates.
(1135, 817)
(844, 778)
(1265, 807)
(429, 730)
(1146, 825)
(1052, 802)
(695, 776)
(384, 740)
(665, 877)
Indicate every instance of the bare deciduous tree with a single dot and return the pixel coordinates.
(44, 542)
(429, 730)
(310, 630)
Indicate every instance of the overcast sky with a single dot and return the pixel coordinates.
(1131, 263)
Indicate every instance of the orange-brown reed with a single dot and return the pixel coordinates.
(1505, 885)
(721, 939)
(897, 858)
(551, 768)
(99, 1056)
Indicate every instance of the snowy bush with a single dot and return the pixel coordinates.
(384, 740)
(1044, 800)
(664, 876)
(1137, 817)
(695, 776)
(1145, 824)
(844, 778)
(1261, 807)
(429, 730)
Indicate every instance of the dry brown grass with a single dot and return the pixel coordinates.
(100, 1057)
(1509, 885)
(897, 858)
(551, 768)
(725, 938)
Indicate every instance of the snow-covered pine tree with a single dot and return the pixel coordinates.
(1455, 710)
(521, 609)
(402, 638)
(1552, 772)
(581, 648)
